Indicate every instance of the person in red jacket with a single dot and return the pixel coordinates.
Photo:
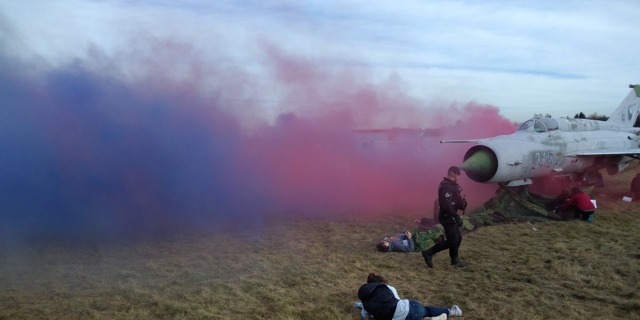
(581, 203)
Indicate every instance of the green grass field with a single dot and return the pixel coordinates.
(311, 268)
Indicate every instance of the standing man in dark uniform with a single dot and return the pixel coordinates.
(450, 201)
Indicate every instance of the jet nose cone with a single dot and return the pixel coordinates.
(479, 161)
(480, 164)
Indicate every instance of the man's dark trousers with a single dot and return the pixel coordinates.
(454, 239)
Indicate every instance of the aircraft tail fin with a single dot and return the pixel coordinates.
(627, 111)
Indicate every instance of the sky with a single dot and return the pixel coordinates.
(141, 117)
(524, 57)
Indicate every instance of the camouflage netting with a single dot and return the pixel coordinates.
(513, 205)
(424, 239)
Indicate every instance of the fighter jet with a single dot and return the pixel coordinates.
(576, 148)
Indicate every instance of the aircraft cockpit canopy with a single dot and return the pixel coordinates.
(539, 125)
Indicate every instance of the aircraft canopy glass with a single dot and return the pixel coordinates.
(526, 125)
(539, 125)
(549, 123)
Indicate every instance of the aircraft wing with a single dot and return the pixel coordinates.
(606, 152)
(462, 141)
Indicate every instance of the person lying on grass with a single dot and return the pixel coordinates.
(381, 301)
(401, 242)
(410, 241)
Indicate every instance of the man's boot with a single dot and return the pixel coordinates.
(458, 263)
(428, 257)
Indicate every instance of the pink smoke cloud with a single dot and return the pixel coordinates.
(181, 142)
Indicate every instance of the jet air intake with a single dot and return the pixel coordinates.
(480, 163)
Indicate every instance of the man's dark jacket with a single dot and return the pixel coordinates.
(450, 202)
(378, 300)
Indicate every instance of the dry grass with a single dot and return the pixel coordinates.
(311, 269)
